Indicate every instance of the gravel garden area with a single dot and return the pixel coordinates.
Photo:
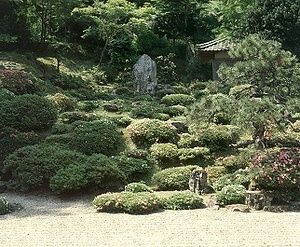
(51, 221)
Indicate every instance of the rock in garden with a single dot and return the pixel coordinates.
(144, 76)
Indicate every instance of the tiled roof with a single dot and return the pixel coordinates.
(214, 45)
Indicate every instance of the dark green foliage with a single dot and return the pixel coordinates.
(178, 99)
(182, 200)
(240, 177)
(104, 173)
(127, 202)
(27, 112)
(6, 94)
(137, 187)
(146, 132)
(176, 178)
(68, 82)
(231, 194)
(135, 169)
(99, 136)
(145, 109)
(69, 178)
(32, 167)
(188, 141)
(87, 105)
(11, 139)
(4, 206)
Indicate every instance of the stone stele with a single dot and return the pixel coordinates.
(144, 76)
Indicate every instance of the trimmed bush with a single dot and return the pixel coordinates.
(146, 132)
(6, 94)
(135, 169)
(62, 102)
(231, 194)
(216, 137)
(214, 173)
(165, 154)
(104, 173)
(175, 110)
(100, 136)
(137, 187)
(188, 141)
(240, 177)
(87, 105)
(193, 156)
(182, 200)
(176, 178)
(145, 109)
(27, 112)
(18, 82)
(4, 206)
(11, 139)
(68, 179)
(31, 167)
(127, 202)
(178, 99)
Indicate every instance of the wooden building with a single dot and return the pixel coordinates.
(216, 53)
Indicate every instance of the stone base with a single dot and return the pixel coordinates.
(258, 200)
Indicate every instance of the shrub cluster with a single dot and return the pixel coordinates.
(167, 155)
(137, 187)
(277, 169)
(73, 116)
(18, 82)
(145, 132)
(4, 206)
(62, 170)
(127, 202)
(62, 102)
(175, 178)
(177, 99)
(214, 173)
(182, 200)
(231, 194)
(27, 112)
(239, 177)
(175, 110)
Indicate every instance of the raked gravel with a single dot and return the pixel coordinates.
(50, 221)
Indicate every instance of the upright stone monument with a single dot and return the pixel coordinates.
(144, 76)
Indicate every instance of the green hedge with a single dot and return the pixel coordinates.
(177, 99)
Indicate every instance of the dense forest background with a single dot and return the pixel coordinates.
(70, 120)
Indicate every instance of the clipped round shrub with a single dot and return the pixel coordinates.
(137, 187)
(146, 132)
(18, 82)
(188, 141)
(70, 178)
(4, 206)
(214, 173)
(175, 110)
(193, 156)
(145, 109)
(165, 154)
(181, 200)
(6, 94)
(127, 202)
(12, 139)
(231, 194)
(27, 112)
(135, 169)
(99, 136)
(31, 167)
(216, 137)
(177, 99)
(62, 102)
(239, 177)
(176, 178)
(87, 105)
